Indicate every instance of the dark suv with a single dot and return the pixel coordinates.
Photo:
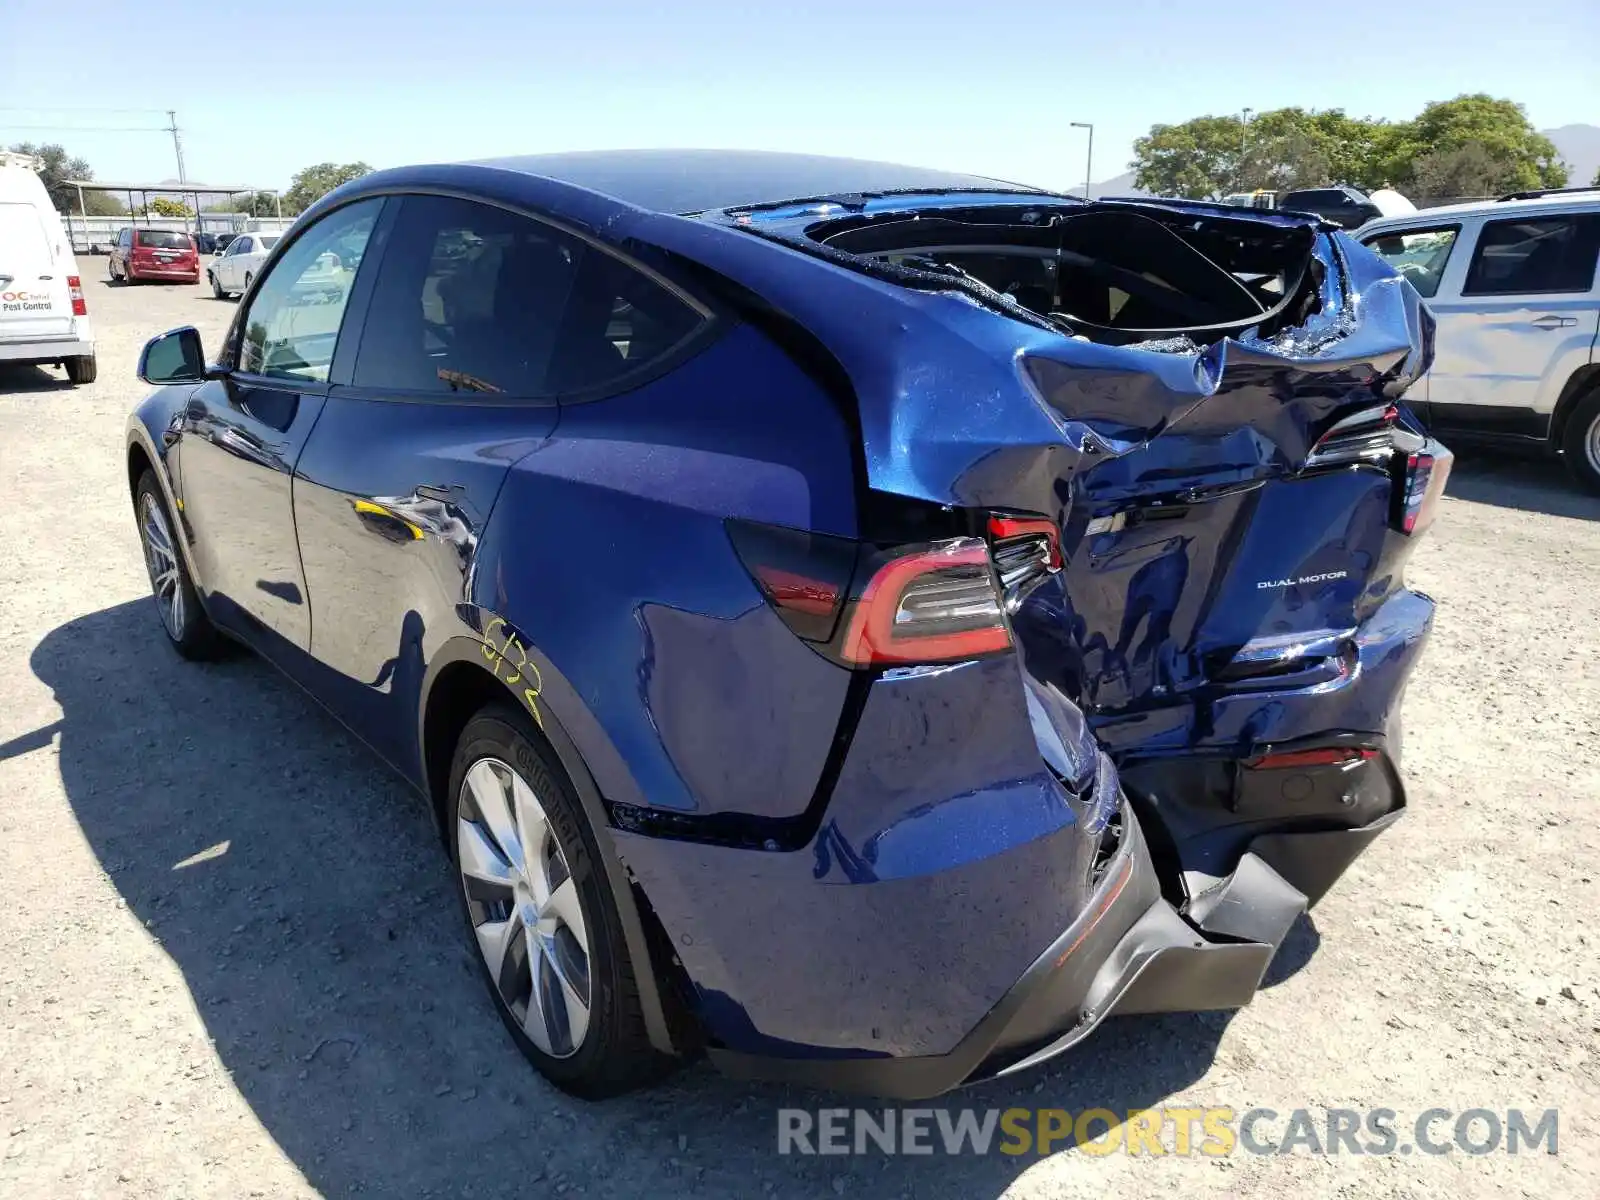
(1344, 206)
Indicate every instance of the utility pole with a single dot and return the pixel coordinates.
(1088, 167)
(1244, 130)
(177, 144)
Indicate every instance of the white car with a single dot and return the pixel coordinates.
(44, 319)
(232, 271)
(1513, 286)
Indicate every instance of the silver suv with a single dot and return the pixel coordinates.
(1512, 283)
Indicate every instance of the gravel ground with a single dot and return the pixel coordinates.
(229, 965)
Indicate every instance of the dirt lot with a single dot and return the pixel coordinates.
(229, 964)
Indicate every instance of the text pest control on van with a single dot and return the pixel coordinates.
(43, 317)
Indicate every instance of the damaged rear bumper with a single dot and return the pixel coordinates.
(1131, 951)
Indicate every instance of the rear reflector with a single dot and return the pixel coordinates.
(75, 290)
(1299, 759)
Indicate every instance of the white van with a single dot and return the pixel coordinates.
(43, 317)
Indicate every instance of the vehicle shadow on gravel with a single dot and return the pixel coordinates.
(302, 891)
(1529, 484)
(15, 380)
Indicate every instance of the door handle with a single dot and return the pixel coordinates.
(1554, 322)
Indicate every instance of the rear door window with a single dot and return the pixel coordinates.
(468, 299)
(1419, 254)
(1535, 255)
(618, 323)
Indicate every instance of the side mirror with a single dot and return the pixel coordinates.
(174, 357)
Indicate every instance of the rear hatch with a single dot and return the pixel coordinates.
(1202, 402)
(164, 248)
(35, 303)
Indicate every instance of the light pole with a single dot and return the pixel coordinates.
(1088, 167)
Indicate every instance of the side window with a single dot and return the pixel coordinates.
(293, 321)
(1535, 255)
(618, 321)
(469, 298)
(1418, 254)
(240, 246)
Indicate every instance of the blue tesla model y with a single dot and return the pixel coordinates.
(862, 623)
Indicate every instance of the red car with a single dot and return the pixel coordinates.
(154, 254)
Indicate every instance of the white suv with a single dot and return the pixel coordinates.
(1513, 285)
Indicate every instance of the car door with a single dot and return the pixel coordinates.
(243, 434)
(447, 391)
(238, 256)
(1515, 319)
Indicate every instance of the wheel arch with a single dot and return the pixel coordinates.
(1582, 383)
(458, 684)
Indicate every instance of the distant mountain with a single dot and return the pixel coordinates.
(1118, 185)
(1579, 147)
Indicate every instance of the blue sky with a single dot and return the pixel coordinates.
(987, 88)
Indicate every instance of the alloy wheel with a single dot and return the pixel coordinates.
(524, 907)
(1591, 445)
(161, 558)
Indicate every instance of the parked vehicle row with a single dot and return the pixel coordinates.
(44, 316)
(866, 623)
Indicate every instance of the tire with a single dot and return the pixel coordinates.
(1580, 442)
(216, 289)
(82, 368)
(248, 278)
(503, 769)
(187, 627)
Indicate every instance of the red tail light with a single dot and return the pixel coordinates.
(863, 606)
(1426, 474)
(1329, 756)
(933, 605)
(80, 307)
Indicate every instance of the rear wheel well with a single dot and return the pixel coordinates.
(1585, 379)
(138, 463)
(460, 691)
(463, 689)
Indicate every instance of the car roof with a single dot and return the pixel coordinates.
(1564, 202)
(690, 181)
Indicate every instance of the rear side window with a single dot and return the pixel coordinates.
(1535, 255)
(162, 239)
(471, 298)
(1420, 254)
(617, 321)
(267, 243)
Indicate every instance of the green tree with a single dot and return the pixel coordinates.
(164, 207)
(1466, 172)
(1525, 157)
(56, 167)
(312, 183)
(1201, 157)
(260, 204)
